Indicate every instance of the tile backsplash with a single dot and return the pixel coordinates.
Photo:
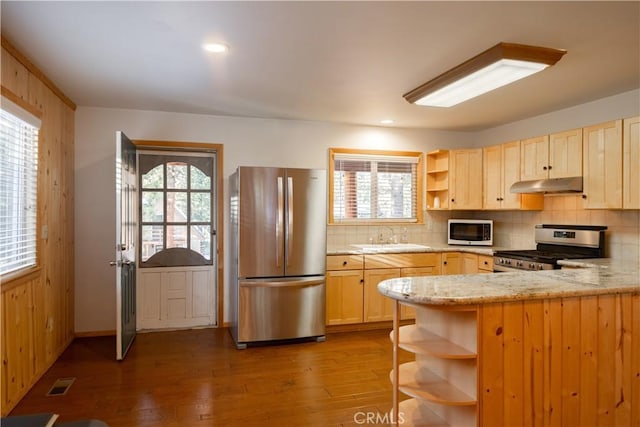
(512, 229)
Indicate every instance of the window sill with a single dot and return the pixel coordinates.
(15, 278)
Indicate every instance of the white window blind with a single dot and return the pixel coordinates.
(375, 187)
(18, 187)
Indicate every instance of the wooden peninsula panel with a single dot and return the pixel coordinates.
(569, 361)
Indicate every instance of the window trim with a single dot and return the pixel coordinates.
(31, 115)
(378, 153)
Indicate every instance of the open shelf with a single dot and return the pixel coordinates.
(415, 414)
(419, 382)
(420, 341)
(438, 179)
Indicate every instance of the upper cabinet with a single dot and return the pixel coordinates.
(501, 169)
(631, 163)
(534, 158)
(438, 179)
(602, 158)
(555, 156)
(465, 179)
(565, 154)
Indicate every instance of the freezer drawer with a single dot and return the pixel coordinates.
(283, 308)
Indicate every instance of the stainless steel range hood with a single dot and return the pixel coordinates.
(553, 185)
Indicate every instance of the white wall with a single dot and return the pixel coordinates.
(615, 107)
(246, 142)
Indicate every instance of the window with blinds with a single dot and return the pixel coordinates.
(375, 186)
(18, 187)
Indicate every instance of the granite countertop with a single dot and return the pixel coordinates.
(589, 277)
(397, 248)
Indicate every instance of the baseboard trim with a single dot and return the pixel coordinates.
(91, 334)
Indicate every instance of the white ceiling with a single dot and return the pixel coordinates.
(347, 62)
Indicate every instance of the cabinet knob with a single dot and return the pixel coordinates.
(486, 263)
(544, 168)
(361, 280)
(344, 263)
(453, 200)
(497, 199)
(445, 263)
(549, 167)
(584, 196)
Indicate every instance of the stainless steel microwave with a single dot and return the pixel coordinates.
(470, 232)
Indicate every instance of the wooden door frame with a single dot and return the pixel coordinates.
(178, 146)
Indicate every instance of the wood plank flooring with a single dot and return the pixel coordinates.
(198, 378)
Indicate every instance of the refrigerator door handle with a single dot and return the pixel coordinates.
(281, 283)
(289, 218)
(279, 222)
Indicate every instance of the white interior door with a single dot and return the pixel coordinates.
(126, 234)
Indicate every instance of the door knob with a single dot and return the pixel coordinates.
(114, 263)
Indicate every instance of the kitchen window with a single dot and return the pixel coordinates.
(18, 187)
(374, 186)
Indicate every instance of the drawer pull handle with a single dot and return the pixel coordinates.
(344, 263)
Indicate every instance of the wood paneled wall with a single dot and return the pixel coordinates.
(37, 309)
(561, 362)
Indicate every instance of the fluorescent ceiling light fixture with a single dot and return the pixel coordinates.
(498, 66)
(216, 47)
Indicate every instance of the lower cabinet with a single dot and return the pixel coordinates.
(352, 284)
(459, 263)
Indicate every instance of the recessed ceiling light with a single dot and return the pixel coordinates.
(387, 121)
(216, 47)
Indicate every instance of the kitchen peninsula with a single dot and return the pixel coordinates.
(558, 347)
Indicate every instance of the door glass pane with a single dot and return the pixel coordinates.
(177, 175)
(152, 238)
(201, 240)
(176, 207)
(154, 178)
(176, 236)
(199, 181)
(200, 207)
(152, 206)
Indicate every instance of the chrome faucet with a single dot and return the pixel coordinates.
(392, 237)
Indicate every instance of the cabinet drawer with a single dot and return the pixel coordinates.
(420, 271)
(401, 260)
(485, 263)
(344, 262)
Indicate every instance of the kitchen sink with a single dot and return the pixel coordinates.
(390, 247)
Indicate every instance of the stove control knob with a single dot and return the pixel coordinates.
(532, 266)
(540, 267)
(509, 261)
(519, 263)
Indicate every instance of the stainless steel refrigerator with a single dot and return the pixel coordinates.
(278, 244)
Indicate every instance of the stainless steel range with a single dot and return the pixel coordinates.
(553, 243)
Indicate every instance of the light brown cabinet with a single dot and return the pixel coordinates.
(459, 263)
(438, 179)
(352, 284)
(465, 178)
(602, 157)
(631, 163)
(485, 264)
(344, 289)
(558, 155)
(501, 169)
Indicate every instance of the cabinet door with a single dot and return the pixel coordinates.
(492, 176)
(565, 154)
(466, 179)
(510, 174)
(602, 157)
(344, 295)
(534, 158)
(376, 306)
(469, 263)
(631, 164)
(452, 263)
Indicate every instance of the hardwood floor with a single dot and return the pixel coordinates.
(198, 378)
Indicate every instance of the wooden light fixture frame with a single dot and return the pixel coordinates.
(521, 52)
